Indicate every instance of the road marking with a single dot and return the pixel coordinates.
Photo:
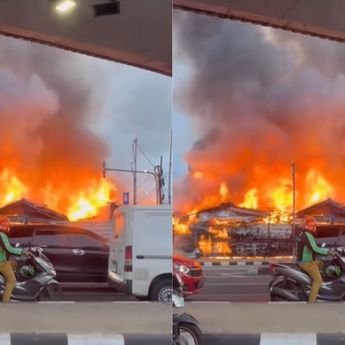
(5, 339)
(56, 302)
(288, 339)
(93, 339)
(237, 284)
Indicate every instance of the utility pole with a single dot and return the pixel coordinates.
(135, 151)
(159, 173)
(293, 209)
(170, 169)
(105, 169)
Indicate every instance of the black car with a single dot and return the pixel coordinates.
(78, 255)
(331, 235)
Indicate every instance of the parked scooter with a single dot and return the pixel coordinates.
(186, 329)
(35, 278)
(290, 283)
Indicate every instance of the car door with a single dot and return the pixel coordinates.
(58, 246)
(21, 235)
(94, 252)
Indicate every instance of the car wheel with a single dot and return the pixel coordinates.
(162, 291)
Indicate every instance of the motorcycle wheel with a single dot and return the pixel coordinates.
(294, 288)
(50, 293)
(189, 335)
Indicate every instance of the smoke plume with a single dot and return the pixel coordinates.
(260, 98)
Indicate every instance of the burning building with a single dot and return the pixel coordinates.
(24, 210)
(257, 101)
(49, 153)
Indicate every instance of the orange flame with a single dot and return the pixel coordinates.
(180, 228)
(11, 187)
(83, 203)
(89, 201)
(251, 199)
(319, 188)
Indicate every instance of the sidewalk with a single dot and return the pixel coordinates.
(86, 318)
(82, 339)
(256, 318)
(276, 339)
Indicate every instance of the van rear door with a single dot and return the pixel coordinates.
(152, 246)
(119, 239)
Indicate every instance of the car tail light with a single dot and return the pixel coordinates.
(128, 259)
(272, 268)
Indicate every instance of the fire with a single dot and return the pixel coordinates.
(89, 201)
(281, 197)
(223, 192)
(215, 242)
(11, 187)
(77, 204)
(198, 175)
(319, 187)
(180, 228)
(251, 199)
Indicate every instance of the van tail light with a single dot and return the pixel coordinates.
(128, 259)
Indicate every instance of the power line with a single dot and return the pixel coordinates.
(144, 154)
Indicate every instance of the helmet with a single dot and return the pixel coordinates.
(26, 271)
(309, 223)
(333, 271)
(4, 223)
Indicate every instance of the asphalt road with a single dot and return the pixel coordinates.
(235, 285)
(93, 292)
(222, 284)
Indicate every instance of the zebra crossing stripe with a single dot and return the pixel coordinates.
(288, 339)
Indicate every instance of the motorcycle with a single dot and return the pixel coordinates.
(186, 329)
(35, 278)
(290, 283)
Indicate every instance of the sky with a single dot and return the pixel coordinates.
(106, 104)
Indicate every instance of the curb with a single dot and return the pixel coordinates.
(276, 338)
(83, 339)
(233, 263)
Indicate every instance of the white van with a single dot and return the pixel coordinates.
(140, 252)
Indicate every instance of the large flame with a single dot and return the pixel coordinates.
(11, 187)
(77, 203)
(251, 199)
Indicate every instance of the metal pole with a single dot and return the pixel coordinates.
(269, 237)
(160, 177)
(135, 172)
(293, 209)
(105, 169)
(170, 168)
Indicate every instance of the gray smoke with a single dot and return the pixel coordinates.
(272, 96)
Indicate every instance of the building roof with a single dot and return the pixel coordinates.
(26, 208)
(327, 207)
(232, 208)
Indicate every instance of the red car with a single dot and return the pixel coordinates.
(191, 273)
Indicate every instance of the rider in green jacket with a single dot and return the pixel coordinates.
(7, 267)
(306, 253)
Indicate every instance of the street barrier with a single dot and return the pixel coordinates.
(83, 339)
(275, 339)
